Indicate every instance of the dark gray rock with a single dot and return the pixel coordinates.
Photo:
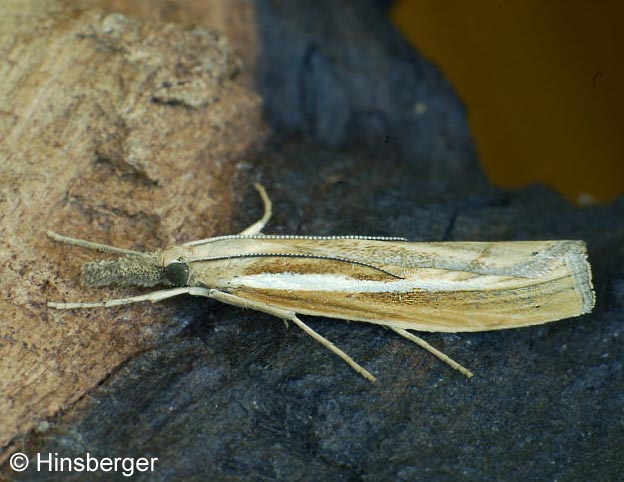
(339, 73)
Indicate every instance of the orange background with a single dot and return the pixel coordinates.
(543, 83)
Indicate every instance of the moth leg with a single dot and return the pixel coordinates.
(154, 297)
(288, 315)
(422, 343)
(256, 227)
(105, 248)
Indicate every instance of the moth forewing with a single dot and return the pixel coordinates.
(448, 287)
(443, 287)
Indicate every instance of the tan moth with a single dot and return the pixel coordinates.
(436, 287)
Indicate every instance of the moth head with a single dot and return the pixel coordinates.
(134, 268)
(177, 273)
(142, 269)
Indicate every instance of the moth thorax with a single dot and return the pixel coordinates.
(130, 270)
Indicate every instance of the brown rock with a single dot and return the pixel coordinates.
(115, 130)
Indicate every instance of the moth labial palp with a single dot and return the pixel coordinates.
(424, 286)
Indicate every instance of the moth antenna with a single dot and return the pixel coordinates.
(295, 236)
(105, 248)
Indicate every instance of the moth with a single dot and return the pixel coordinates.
(423, 286)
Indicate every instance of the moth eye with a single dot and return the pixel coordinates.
(177, 273)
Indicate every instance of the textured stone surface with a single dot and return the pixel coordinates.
(115, 130)
(237, 396)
